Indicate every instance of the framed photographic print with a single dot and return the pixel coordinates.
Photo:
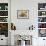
(23, 14)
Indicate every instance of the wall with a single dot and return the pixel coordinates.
(23, 24)
(32, 6)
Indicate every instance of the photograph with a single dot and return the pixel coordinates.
(23, 14)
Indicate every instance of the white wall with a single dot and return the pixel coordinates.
(23, 24)
(32, 6)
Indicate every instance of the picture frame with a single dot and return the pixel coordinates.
(22, 14)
